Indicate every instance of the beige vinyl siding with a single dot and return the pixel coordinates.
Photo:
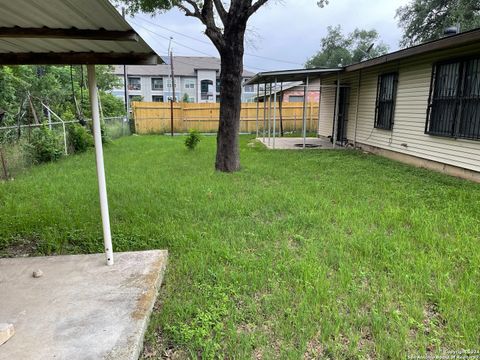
(327, 103)
(327, 109)
(408, 134)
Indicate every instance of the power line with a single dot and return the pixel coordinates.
(190, 48)
(209, 43)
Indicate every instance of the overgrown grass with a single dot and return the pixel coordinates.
(322, 254)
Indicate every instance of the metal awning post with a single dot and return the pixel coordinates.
(319, 105)
(270, 115)
(258, 105)
(274, 113)
(337, 107)
(304, 121)
(102, 186)
(264, 110)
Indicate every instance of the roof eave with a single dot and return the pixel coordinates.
(450, 42)
(286, 75)
(67, 58)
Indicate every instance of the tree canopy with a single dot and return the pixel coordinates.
(337, 48)
(425, 20)
(53, 86)
(225, 25)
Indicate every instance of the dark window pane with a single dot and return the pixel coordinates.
(386, 101)
(443, 111)
(446, 81)
(442, 117)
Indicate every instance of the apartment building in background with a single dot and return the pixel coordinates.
(197, 80)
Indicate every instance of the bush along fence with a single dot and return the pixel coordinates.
(24, 145)
(155, 118)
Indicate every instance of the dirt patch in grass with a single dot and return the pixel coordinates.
(366, 344)
(314, 349)
(21, 247)
(432, 323)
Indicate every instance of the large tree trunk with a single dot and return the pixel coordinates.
(228, 153)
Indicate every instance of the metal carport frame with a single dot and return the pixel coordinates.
(304, 75)
(62, 32)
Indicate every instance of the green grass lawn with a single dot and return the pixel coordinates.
(315, 254)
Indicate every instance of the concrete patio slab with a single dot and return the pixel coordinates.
(295, 143)
(79, 308)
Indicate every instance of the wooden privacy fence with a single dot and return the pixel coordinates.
(154, 117)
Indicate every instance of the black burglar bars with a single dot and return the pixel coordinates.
(444, 103)
(385, 107)
(469, 125)
(455, 100)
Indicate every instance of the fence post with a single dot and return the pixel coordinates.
(65, 138)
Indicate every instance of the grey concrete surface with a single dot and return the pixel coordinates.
(295, 143)
(80, 308)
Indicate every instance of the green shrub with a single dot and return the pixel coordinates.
(192, 139)
(131, 124)
(44, 146)
(103, 131)
(105, 135)
(79, 138)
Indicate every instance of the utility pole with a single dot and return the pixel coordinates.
(172, 73)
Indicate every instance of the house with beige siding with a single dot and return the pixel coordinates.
(419, 105)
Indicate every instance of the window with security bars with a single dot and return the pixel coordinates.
(385, 106)
(454, 102)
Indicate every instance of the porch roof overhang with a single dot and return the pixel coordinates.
(69, 32)
(290, 75)
(66, 32)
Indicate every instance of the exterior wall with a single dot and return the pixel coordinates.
(147, 92)
(408, 134)
(206, 75)
(192, 93)
(312, 96)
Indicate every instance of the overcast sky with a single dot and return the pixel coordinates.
(288, 30)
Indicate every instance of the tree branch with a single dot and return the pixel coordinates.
(221, 11)
(256, 6)
(196, 11)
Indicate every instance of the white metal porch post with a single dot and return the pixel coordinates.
(337, 109)
(264, 111)
(304, 120)
(102, 186)
(270, 115)
(258, 104)
(274, 113)
(319, 105)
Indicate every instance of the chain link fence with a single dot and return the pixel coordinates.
(15, 138)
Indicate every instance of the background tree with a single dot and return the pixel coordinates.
(425, 20)
(225, 27)
(53, 86)
(337, 48)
